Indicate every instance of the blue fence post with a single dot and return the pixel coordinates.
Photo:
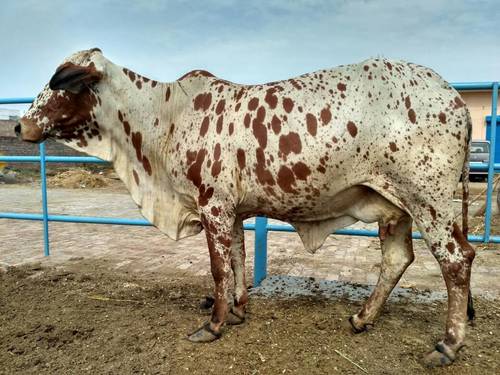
(260, 256)
(45, 210)
(491, 174)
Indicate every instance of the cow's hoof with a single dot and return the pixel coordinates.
(442, 356)
(357, 326)
(234, 318)
(204, 334)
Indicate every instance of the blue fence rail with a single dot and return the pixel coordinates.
(261, 225)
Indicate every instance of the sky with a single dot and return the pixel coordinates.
(246, 41)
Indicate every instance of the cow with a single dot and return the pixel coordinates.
(377, 141)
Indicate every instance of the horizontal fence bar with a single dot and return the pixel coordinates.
(53, 159)
(75, 219)
(246, 226)
(472, 85)
(26, 100)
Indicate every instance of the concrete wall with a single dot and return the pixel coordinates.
(479, 104)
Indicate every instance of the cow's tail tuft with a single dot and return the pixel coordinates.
(465, 179)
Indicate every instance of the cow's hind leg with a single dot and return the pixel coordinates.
(454, 255)
(237, 313)
(397, 255)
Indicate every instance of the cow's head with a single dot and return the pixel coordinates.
(66, 108)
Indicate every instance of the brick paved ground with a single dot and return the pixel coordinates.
(343, 258)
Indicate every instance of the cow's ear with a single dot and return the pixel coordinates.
(74, 78)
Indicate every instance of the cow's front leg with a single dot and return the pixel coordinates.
(218, 230)
(237, 312)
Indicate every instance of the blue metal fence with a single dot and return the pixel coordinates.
(261, 226)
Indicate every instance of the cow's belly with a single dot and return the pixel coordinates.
(314, 222)
(359, 202)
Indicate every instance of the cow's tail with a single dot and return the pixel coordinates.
(471, 313)
(465, 179)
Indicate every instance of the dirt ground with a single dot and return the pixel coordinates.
(85, 318)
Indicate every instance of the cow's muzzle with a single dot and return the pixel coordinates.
(28, 131)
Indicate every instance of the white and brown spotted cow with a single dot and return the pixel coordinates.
(379, 141)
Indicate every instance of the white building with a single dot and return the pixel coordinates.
(9, 114)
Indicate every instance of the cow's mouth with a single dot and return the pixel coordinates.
(29, 132)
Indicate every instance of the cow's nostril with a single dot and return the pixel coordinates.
(17, 129)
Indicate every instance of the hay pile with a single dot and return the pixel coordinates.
(78, 179)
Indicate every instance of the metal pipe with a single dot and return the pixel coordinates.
(52, 159)
(260, 256)
(26, 100)
(45, 209)
(75, 219)
(493, 133)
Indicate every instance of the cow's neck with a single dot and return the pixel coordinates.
(141, 122)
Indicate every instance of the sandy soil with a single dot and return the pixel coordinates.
(86, 318)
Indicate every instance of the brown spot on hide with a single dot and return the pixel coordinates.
(450, 246)
(231, 128)
(290, 143)
(325, 116)
(259, 129)
(215, 211)
(412, 116)
(341, 86)
(270, 98)
(216, 168)
(312, 124)
(126, 127)
(246, 120)
(204, 126)
(137, 143)
(287, 105)
(194, 171)
(442, 118)
(263, 175)
(146, 165)
(220, 106)
(220, 121)
(217, 151)
(301, 171)
(286, 179)
(136, 176)
(167, 94)
(407, 102)
(202, 101)
(240, 155)
(190, 156)
(276, 124)
(393, 147)
(204, 195)
(458, 102)
(196, 73)
(433, 212)
(253, 104)
(138, 84)
(352, 129)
